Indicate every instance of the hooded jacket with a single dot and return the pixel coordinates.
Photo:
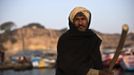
(78, 51)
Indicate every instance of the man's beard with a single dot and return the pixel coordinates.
(82, 28)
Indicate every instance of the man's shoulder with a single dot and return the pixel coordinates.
(95, 34)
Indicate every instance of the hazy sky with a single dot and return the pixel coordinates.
(107, 15)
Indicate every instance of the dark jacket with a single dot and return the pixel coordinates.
(77, 52)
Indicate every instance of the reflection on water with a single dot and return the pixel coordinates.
(49, 72)
(29, 72)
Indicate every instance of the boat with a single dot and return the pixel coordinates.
(39, 62)
(50, 63)
(35, 61)
(127, 62)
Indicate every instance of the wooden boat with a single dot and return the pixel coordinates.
(127, 62)
(39, 62)
(35, 61)
(42, 63)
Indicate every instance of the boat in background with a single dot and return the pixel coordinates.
(127, 62)
(35, 61)
(40, 62)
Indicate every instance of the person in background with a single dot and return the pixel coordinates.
(78, 49)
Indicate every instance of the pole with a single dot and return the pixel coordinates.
(125, 29)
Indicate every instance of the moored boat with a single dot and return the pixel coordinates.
(39, 62)
(127, 62)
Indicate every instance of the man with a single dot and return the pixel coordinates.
(78, 50)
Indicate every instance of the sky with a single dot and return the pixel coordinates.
(108, 16)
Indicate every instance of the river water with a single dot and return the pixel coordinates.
(29, 72)
(48, 72)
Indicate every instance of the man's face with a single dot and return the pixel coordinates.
(80, 22)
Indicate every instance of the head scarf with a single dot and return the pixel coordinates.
(78, 10)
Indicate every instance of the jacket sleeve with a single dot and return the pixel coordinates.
(97, 59)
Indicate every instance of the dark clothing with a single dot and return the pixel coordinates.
(78, 52)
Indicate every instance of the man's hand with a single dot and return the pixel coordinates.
(105, 72)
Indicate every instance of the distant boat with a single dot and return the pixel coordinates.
(39, 62)
(42, 63)
(127, 62)
(35, 61)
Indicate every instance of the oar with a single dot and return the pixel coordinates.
(120, 46)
